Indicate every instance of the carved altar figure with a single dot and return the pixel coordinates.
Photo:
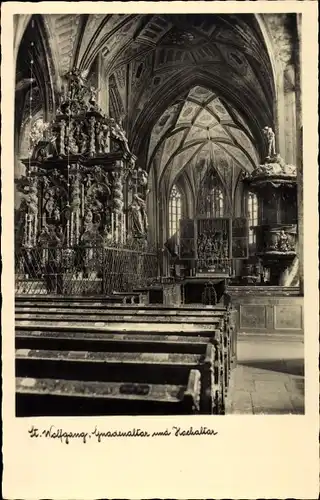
(102, 134)
(268, 132)
(49, 203)
(283, 242)
(71, 143)
(93, 96)
(77, 80)
(139, 216)
(56, 214)
(37, 131)
(88, 220)
(142, 177)
(107, 235)
(90, 233)
(50, 235)
(83, 143)
(119, 133)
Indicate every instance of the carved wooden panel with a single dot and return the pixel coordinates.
(288, 317)
(252, 316)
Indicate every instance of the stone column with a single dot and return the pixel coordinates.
(280, 116)
(286, 38)
(286, 112)
(103, 86)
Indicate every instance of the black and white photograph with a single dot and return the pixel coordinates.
(158, 214)
(160, 295)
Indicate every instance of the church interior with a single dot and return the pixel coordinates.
(158, 214)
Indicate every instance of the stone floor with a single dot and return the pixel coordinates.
(269, 377)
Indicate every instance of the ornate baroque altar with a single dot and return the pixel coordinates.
(82, 192)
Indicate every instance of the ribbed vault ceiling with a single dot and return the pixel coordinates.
(200, 125)
(153, 60)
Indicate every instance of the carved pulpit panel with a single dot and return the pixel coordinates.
(187, 239)
(240, 240)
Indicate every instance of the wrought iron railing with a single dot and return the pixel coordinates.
(84, 270)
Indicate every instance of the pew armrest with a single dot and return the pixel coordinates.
(191, 397)
(210, 354)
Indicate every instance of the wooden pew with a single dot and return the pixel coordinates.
(141, 326)
(124, 313)
(52, 347)
(56, 397)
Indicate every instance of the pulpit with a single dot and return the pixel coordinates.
(275, 184)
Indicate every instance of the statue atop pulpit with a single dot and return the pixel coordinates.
(273, 165)
(270, 136)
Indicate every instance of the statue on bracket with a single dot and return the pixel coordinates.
(269, 133)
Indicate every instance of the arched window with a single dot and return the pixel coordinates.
(174, 211)
(212, 201)
(215, 202)
(252, 207)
